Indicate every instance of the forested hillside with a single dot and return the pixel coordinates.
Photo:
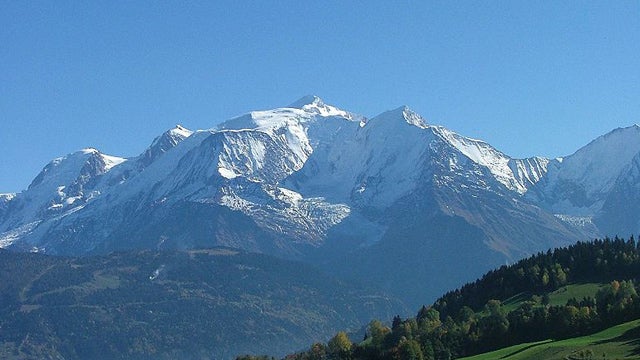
(200, 304)
(558, 294)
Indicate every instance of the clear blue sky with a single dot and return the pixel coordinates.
(531, 78)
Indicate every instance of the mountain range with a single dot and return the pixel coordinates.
(364, 198)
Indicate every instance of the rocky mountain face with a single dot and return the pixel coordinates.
(365, 198)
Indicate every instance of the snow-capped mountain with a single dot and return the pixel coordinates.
(585, 188)
(312, 181)
(162, 144)
(62, 187)
(578, 184)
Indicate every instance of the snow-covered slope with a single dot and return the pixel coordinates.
(66, 183)
(579, 184)
(516, 174)
(296, 171)
(420, 194)
(382, 159)
(312, 181)
(363, 160)
(163, 143)
(5, 198)
(238, 166)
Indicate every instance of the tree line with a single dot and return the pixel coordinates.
(473, 319)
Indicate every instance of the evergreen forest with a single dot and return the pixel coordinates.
(532, 300)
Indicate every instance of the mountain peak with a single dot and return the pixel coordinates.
(306, 101)
(619, 139)
(315, 105)
(86, 151)
(164, 143)
(180, 131)
(407, 115)
(172, 136)
(413, 118)
(591, 172)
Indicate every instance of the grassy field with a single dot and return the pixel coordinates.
(578, 291)
(618, 342)
(558, 297)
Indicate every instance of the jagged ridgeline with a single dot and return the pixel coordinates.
(368, 198)
(198, 304)
(558, 294)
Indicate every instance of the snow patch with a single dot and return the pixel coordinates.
(226, 173)
(289, 196)
(156, 273)
(111, 161)
(7, 197)
(180, 131)
(9, 237)
(578, 221)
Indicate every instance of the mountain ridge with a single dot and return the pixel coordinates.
(312, 179)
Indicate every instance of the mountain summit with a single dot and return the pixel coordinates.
(363, 197)
(307, 100)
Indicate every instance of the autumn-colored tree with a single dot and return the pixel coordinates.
(339, 347)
